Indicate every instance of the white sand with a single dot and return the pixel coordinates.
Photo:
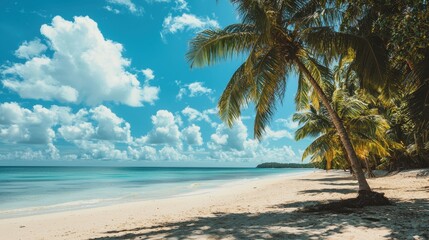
(260, 209)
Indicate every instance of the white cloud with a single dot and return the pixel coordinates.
(30, 49)
(26, 154)
(233, 144)
(127, 4)
(98, 133)
(171, 154)
(21, 125)
(195, 115)
(165, 130)
(181, 5)
(143, 153)
(192, 135)
(281, 154)
(85, 68)
(197, 89)
(37, 84)
(186, 22)
(150, 94)
(226, 138)
(276, 135)
(182, 91)
(78, 131)
(109, 126)
(148, 74)
(101, 150)
(95, 124)
(288, 122)
(113, 10)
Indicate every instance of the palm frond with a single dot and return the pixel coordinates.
(314, 125)
(270, 74)
(370, 54)
(235, 95)
(213, 45)
(301, 98)
(319, 146)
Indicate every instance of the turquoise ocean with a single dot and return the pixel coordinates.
(36, 190)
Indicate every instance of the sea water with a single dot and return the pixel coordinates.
(35, 190)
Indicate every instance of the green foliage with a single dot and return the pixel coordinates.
(403, 30)
(268, 35)
(366, 127)
(369, 57)
(285, 165)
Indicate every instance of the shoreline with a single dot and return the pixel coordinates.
(201, 187)
(264, 208)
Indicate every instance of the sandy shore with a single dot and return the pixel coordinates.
(259, 209)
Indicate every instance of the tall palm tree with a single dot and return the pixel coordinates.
(272, 34)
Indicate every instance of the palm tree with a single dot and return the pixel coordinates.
(366, 126)
(272, 34)
(399, 27)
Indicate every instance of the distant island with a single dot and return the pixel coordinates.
(285, 165)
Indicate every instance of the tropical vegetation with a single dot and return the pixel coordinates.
(284, 165)
(362, 69)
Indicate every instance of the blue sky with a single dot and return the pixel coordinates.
(106, 82)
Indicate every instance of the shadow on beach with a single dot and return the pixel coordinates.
(401, 219)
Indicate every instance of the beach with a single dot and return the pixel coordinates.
(258, 209)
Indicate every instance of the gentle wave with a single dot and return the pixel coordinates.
(37, 190)
(66, 205)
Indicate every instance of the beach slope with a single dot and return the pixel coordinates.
(257, 209)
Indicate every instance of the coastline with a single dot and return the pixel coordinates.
(261, 208)
(146, 192)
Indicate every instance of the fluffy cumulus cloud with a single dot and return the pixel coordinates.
(193, 90)
(283, 154)
(98, 123)
(186, 22)
(172, 154)
(98, 133)
(142, 153)
(30, 49)
(226, 138)
(192, 135)
(84, 68)
(233, 144)
(165, 130)
(21, 125)
(101, 150)
(95, 130)
(109, 126)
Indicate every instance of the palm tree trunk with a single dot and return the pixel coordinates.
(348, 160)
(369, 172)
(339, 126)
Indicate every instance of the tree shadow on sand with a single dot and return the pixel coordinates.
(404, 219)
(328, 190)
(329, 179)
